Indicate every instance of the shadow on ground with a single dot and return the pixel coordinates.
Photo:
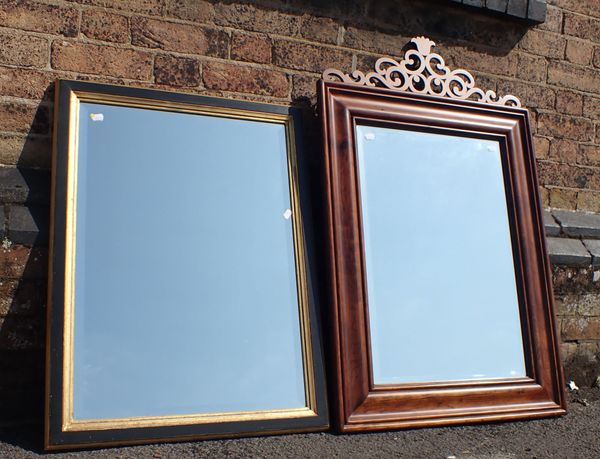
(574, 436)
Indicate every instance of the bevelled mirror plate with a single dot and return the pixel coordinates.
(441, 289)
(441, 308)
(181, 300)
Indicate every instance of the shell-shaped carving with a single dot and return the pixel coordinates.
(423, 72)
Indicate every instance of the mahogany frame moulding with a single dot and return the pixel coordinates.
(358, 404)
(61, 430)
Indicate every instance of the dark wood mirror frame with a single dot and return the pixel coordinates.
(358, 404)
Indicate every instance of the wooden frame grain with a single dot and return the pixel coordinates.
(359, 405)
(61, 430)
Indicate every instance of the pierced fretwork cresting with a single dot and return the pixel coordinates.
(423, 72)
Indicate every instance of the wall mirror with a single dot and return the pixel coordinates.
(180, 299)
(441, 305)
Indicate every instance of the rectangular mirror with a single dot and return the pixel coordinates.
(180, 303)
(437, 256)
(441, 298)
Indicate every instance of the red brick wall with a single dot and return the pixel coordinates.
(266, 50)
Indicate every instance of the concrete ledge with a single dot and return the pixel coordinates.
(24, 186)
(578, 224)
(568, 252)
(593, 246)
(28, 225)
(551, 227)
(531, 10)
(573, 238)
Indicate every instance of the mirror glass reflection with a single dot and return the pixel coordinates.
(185, 279)
(440, 274)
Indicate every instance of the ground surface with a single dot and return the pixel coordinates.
(574, 436)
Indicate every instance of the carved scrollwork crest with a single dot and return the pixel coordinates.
(424, 72)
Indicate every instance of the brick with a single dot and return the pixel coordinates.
(591, 8)
(176, 71)
(461, 57)
(21, 332)
(533, 115)
(253, 18)
(28, 225)
(568, 127)
(335, 9)
(20, 261)
(582, 26)
(553, 20)
(543, 43)
(580, 305)
(196, 10)
(568, 176)
(583, 365)
(565, 151)
(532, 68)
(563, 198)
(320, 29)
(23, 50)
(22, 297)
(302, 56)
(37, 17)
(567, 279)
(236, 78)
(412, 18)
(567, 252)
(22, 367)
(251, 48)
(484, 81)
(102, 60)
(376, 41)
(551, 227)
(591, 107)
(105, 26)
(182, 38)
(26, 83)
(152, 7)
(596, 59)
(568, 350)
(25, 150)
(569, 102)
(580, 328)
(588, 201)
(24, 117)
(531, 95)
(589, 155)
(20, 185)
(544, 196)
(589, 178)
(578, 224)
(304, 89)
(366, 62)
(579, 52)
(541, 146)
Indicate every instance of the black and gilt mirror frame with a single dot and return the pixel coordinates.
(63, 428)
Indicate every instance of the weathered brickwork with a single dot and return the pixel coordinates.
(274, 51)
